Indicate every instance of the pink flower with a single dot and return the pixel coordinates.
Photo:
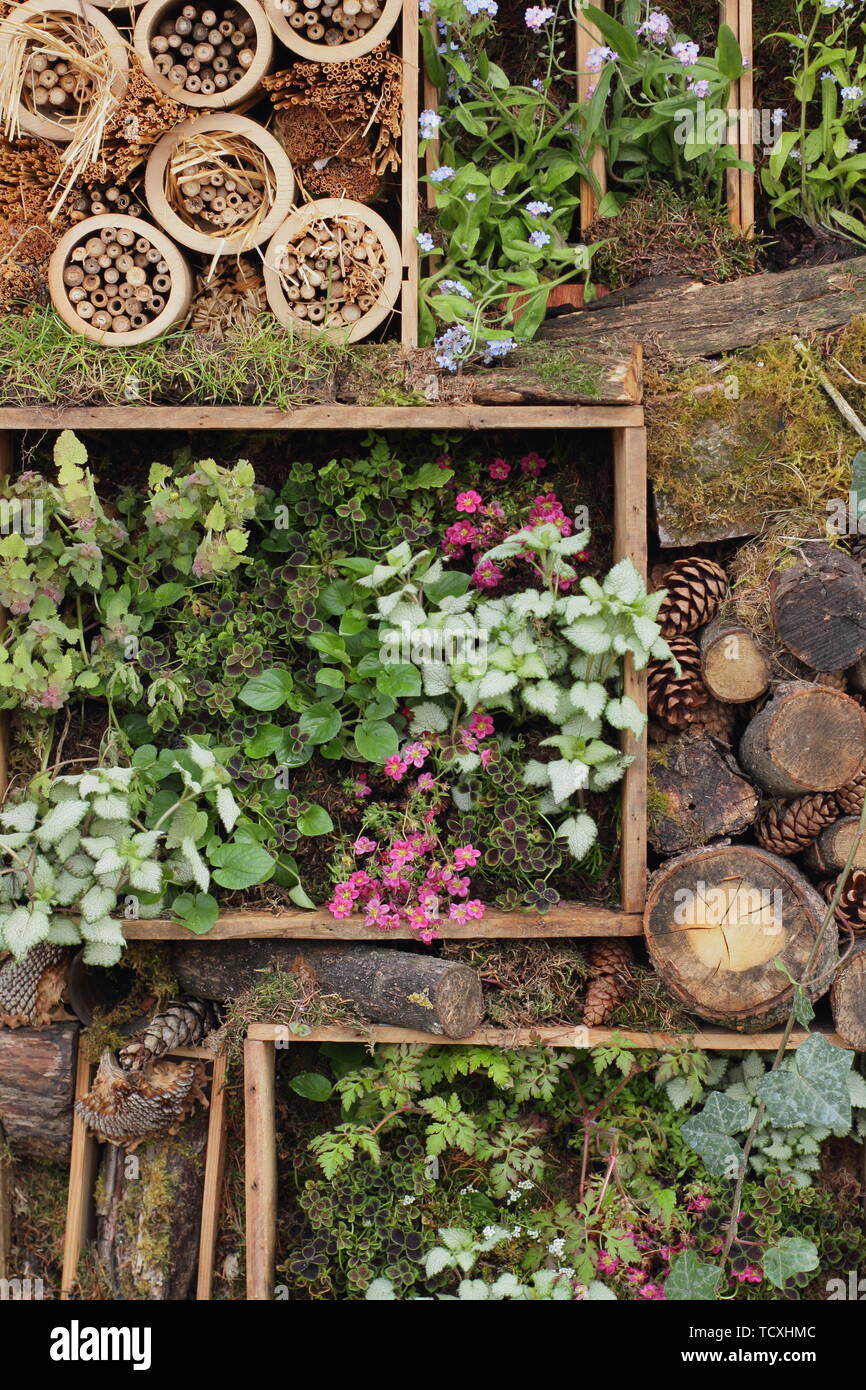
(426, 782)
(750, 1275)
(481, 725)
(466, 857)
(468, 501)
(653, 1292)
(364, 845)
(341, 906)
(699, 1203)
(459, 912)
(361, 786)
(532, 464)
(395, 768)
(486, 756)
(486, 575)
(415, 754)
(475, 909)
(635, 1275)
(468, 740)
(499, 469)
(607, 1264)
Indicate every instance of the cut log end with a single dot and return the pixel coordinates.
(807, 738)
(848, 1000)
(734, 666)
(819, 608)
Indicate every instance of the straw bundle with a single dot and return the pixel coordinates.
(346, 171)
(227, 296)
(76, 57)
(28, 172)
(145, 115)
(219, 182)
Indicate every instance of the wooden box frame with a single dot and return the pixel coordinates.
(260, 1121)
(626, 426)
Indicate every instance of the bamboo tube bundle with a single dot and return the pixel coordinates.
(332, 30)
(64, 69)
(219, 184)
(334, 267)
(117, 279)
(207, 52)
(104, 197)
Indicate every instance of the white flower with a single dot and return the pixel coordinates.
(556, 1247)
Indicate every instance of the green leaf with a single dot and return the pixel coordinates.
(166, 594)
(312, 1086)
(692, 1280)
(320, 722)
(265, 741)
(315, 821)
(376, 741)
(789, 1256)
(269, 690)
(452, 584)
(709, 1133)
(618, 37)
(814, 1091)
(241, 864)
(728, 54)
(400, 680)
(197, 911)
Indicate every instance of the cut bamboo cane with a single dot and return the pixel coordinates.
(325, 52)
(262, 47)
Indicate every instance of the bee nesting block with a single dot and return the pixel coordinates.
(203, 56)
(334, 267)
(332, 33)
(191, 169)
(66, 67)
(121, 302)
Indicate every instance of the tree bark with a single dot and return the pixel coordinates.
(401, 988)
(819, 608)
(149, 1214)
(685, 318)
(734, 665)
(717, 920)
(808, 738)
(37, 1089)
(701, 795)
(848, 999)
(829, 853)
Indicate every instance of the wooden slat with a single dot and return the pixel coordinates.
(547, 1035)
(214, 1167)
(630, 539)
(565, 919)
(747, 98)
(409, 178)
(588, 37)
(7, 456)
(729, 13)
(260, 1167)
(318, 417)
(83, 1165)
(5, 1209)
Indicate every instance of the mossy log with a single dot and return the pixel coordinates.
(808, 738)
(402, 988)
(37, 1090)
(148, 1214)
(819, 607)
(716, 922)
(734, 666)
(701, 793)
(848, 999)
(685, 318)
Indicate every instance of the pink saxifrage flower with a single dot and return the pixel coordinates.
(469, 501)
(499, 469)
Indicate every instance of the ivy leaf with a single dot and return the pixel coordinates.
(789, 1256)
(312, 1086)
(814, 1090)
(692, 1280)
(709, 1133)
(197, 911)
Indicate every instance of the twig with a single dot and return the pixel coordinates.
(849, 415)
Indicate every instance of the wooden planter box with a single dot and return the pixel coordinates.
(628, 442)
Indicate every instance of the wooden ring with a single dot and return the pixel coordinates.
(148, 23)
(176, 306)
(293, 226)
(338, 52)
(185, 232)
(40, 126)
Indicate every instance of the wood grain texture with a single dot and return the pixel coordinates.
(214, 1168)
(589, 37)
(746, 102)
(83, 1165)
(565, 919)
(630, 541)
(409, 176)
(260, 1129)
(320, 417)
(37, 1078)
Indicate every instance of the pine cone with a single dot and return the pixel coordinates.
(183, 1023)
(713, 718)
(851, 907)
(787, 827)
(610, 962)
(129, 1107)
(850, 797)
(675, 698)
(695, 588)
(30, 989)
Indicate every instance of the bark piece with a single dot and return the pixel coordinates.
(402, 988)
(829, 853)
(807, 738)
(734, 665)
(703, 795)
(819, 607)
(848, 999)
(37, 1090)
(717, 920)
